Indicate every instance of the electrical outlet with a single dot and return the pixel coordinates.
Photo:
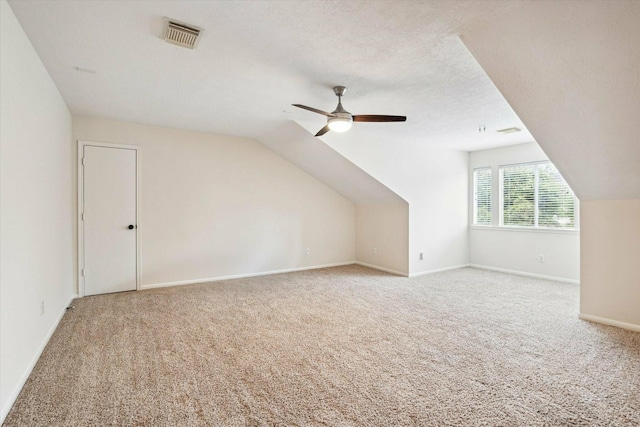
(541, 258)
(421, 256)
(375, 251)
(307, 251)
(41, 307)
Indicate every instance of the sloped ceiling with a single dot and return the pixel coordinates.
(256, 58)
(316, 158)
(571, 70)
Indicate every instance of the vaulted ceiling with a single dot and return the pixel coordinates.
(256, 58)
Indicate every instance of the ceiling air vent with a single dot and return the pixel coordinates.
(508, 130)
(181, 34)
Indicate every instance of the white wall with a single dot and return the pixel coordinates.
(382, 217)
(214, 206)
(518, 250)
(434, 183)
(570, 71)
(36, 218)
(610, 286)
(436, 188)
(382, 236)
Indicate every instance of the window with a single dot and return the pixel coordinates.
(535, 195)
(482, 196)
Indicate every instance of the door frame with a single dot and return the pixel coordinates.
(81, 145)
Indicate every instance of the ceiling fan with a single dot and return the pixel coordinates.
(340, 120)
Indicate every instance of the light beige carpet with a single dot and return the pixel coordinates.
(346, 346)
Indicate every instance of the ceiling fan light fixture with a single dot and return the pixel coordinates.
(340, 124)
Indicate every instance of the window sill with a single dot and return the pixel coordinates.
(526, 229)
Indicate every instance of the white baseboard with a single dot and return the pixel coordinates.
(609, 322)
(16, 391)
(524, 273)
(243, 276)
(438, 270)
(387, 270)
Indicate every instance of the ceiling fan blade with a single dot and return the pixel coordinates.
(379, 118)
(315, 110)
(323, 131)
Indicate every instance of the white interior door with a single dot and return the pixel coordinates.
(109, 219)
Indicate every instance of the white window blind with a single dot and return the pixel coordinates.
(535, 195)
(518, 195)
(482, 196)
(556, 201)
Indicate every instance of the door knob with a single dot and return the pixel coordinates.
(130, 227)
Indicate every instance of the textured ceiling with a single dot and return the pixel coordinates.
(257, 58)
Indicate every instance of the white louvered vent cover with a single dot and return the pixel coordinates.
(181, 34)
(508, 130)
